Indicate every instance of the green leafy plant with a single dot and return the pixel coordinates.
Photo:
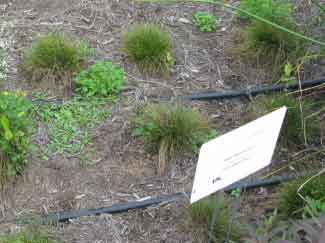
(15, 133)
(150, 47)
(54, 57)
(101, 79)
(292, 204)
(70, 124)
(28, 237)
(293, 132)
(205, 21)
(198, 219)
(170, 129)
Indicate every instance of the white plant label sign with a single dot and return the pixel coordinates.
(237, 154)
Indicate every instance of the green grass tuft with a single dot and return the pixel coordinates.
(275, 11)
(101, 79)
(266, 45)
(54, 57)
(150, 47)
(293, 130)
(291, 204)
(171, 129)
(198, 218)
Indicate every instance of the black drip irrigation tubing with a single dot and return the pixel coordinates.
(65, 216)
(248, 93)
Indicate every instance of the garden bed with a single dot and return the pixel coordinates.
(114, 166)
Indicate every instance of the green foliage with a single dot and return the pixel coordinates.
(265, 43)
(150, 47)
(313, 207)
(172, 125)
(199, 217)
(293, 131)
(292, 205)
(70, 124)
(27, 237)
(275, 11)
(54, 57)
(205, 21)
(15, 133)
(101, 79)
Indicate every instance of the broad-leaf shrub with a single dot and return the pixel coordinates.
(101, 79)
(15, 133)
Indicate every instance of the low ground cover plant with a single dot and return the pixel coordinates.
(15, 133)
(198, 218)
(150, 47)
(294, 205)
(70, 124)
(54, 57)
(205, 22)
(28, 236)
(171, 129)
(101, 79)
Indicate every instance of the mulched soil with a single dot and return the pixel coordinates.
(122, 169)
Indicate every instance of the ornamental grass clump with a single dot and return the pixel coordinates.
(150, 47)
(198, 218)
(170, 129)
(54, 57)
(295, 132)
(264, 44)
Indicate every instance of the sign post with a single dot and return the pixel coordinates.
(236, 155)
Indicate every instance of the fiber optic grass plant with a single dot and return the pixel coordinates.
(101, 79)
(55, 57)
(294, 130)
(15, 133)
(150, 47)
(171, 129)
(70, 124)
(198, 218)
